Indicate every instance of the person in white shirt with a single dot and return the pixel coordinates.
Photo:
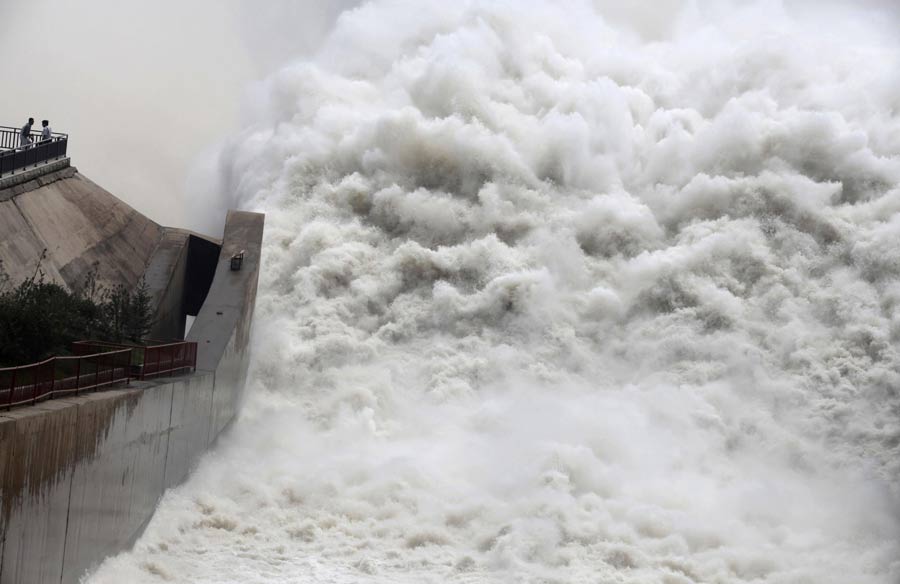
(47, 132)
(25, 134)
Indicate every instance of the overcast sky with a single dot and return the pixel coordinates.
(147, 89)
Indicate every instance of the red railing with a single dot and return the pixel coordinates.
(162, 359)
(56, 376)
(150, 360)
(95, 365)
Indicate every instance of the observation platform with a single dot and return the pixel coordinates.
(20, 163)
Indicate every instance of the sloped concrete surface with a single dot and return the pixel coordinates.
(165, 277)
(81, 226)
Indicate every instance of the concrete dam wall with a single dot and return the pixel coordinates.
(78, 226)
(80, 477)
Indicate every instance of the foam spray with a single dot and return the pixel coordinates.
(549, 296)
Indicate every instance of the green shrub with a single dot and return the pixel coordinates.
(39, 319)
(126, 315)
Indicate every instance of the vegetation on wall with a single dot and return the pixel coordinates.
(39, 319)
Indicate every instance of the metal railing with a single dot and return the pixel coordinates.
(149, 360)
(163, 359)
(14, 156)
(56, 376)
(9, 137)
(95, 365)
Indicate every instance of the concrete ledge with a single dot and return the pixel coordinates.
(34, 178)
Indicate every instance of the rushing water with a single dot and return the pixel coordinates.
(553, 292)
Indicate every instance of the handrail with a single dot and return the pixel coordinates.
(92, 370)
(44, 362)
(2, 127)
(155, 343)
(33, 132)
(151, 360)
(10, 138)
(35, 382)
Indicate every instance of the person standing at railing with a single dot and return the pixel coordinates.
(25, 134)
(47, 132)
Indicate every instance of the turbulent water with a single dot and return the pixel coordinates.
(551, 297)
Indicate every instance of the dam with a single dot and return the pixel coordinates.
(553, 291)
(80, 476)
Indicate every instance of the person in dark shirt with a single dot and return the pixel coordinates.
(25, 134)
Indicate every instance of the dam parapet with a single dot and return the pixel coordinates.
(80, 477)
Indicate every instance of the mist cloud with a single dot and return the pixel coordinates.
(554, 293)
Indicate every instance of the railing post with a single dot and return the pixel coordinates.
(158, 356)
(96, 372)
(37, 382)
(78, 375)
(52, 379)
(12, 388)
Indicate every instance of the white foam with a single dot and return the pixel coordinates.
(552, 298)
